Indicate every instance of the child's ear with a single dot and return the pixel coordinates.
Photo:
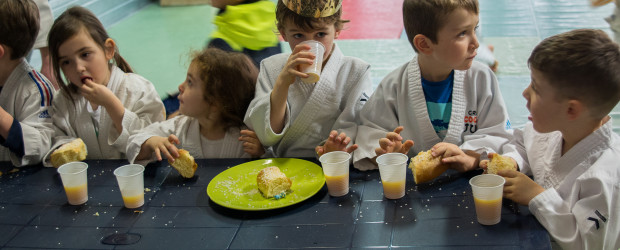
(422, 44)
(283, 34)
(1, 50)
(575, 109)
(110, 48)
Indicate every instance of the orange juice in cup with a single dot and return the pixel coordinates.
(74, 180)
(133, 201)
(336, 170)
(77, 195)
(488, 190)
(130, 180)
(393, 170)
(337, 185)
(393, 189)
(488, 212)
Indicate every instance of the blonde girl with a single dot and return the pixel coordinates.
(213, 100)
(101, 101)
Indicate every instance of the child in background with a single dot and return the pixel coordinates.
(25, 95)
(103, 102)
(214, 97)
(246, 26)
(292, 116)
(570, 147)
(442, 99)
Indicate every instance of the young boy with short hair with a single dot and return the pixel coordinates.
(25, 94)
(570, 147)
(294, 117)
(442, 98)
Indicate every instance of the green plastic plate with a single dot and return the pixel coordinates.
(236, 187)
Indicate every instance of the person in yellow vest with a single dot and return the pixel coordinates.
(246, 26)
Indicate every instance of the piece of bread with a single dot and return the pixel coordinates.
(273, 183)
(185, 164)
(498, 163)
(425, 167)
(69, 152)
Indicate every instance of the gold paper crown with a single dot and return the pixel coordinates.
(313, 8)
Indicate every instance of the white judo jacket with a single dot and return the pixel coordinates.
(27, 96)
(143, 106)
(187, 129)
(478, 122)
(580, 207)
(312, 110)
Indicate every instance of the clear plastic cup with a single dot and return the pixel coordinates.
(393, 171)
(74, 180)
(314, 70)
(488, 190)
(131, 183)
(336, 170)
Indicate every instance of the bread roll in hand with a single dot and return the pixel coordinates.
(69, 152)
(185, 164)
(425, 167)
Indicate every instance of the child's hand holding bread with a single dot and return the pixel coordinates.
(160, 146)
(497, 163)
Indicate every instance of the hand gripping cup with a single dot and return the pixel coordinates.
(488, 190)
(336, 169)
(314, 70)
(131, 183)
(74, 180)
(393, 171)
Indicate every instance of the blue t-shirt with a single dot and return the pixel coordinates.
(439, 103)
(15, 140)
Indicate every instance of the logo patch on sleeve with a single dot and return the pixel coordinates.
(44, 115)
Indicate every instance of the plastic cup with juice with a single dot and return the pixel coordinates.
(75, 181)
(313, 70)
(130, 180)
(488, 190)
(336, 170)
(393, 170)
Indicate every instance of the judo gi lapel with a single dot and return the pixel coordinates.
(418, 108)
(192, 141)
(85, 128)
(459, 103)
(312, 108)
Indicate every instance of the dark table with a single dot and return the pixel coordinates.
(178, 214)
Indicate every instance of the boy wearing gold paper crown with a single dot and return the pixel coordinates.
(442, 99)
(293, 116)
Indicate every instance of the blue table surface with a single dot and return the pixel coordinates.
(178, 214)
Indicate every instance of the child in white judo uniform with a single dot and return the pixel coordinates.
(294, 117)
(442, 99)
(103, 103)
(570, 147)
(25, 94)
(213, 100)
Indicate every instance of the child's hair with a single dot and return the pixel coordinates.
(229, 82)
(71, 23)
(427, 17)
(283, 14)
(19, 26)
(583, 65)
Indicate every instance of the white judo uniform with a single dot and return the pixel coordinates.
(581, 204)
(143, 106)
(27, 96)
(187, 129)
(312, 110)
(478, 122)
